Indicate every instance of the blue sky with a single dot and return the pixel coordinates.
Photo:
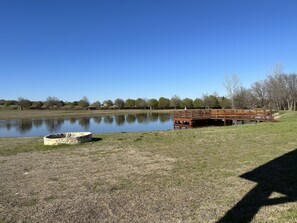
(141, 48)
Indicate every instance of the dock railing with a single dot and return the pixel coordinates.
(224, 114)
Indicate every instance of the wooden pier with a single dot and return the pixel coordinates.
(193, 118)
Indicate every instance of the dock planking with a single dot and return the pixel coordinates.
(193, 118)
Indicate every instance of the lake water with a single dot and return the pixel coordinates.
(99, 124)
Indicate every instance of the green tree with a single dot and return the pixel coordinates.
(84, 102)
(97, 104)
(130, 103)
(70, 105)
(107, 103)
(140, 103)
(198, 103)
(119, 103)
(37, 104)
(211, 101)
(153, 103)
(175, 101)
(2, 102)
(164, 102)
(187, 103)
(225, 102)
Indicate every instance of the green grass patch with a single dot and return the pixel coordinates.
(13, 146)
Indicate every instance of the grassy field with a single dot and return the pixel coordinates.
(217, 174)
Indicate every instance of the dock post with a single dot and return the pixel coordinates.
(224, 117)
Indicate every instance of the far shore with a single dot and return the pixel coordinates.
(15, 114)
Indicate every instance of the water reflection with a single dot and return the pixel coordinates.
(8, 125)
(98, 124)
(97, 119)
(108, 119)
(164, 118)
(72, 120)
(154, 117)
(84, 122)
(53, 124)
(141, 118)
(130, 118)
(24, 125)
(37, 123)
(120, 119)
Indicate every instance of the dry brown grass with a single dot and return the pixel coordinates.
(165, 176)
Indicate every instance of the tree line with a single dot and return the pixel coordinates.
(278, 91)
(175, 102)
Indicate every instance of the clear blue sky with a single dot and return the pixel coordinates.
(141, 48)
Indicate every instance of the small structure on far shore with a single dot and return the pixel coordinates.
(67, 138)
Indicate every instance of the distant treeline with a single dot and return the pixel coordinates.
(175, 102)
(278, 91)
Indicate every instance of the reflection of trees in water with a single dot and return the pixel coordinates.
(53, 125)
(108, 119)
(85, 122)
(119, 119)
(153, 117)
(37, 122)
(141, 118)
(97, 119)
(130, 118)
(72, 120)
(24, 125)
(163, 117)
(8, 125)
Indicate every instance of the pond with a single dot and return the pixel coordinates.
(98, 124)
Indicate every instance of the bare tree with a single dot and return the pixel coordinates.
(243, 98)
(290, 90)
(52, 101)
(260, 93)
(232, 85)
(24, 103)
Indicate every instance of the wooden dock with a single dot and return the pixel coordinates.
(193, 118)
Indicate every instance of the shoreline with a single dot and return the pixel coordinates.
(15, 114)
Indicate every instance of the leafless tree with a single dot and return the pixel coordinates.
(24, 103)
(260, 94)
(52, 101)
(232, 85)
(243, 98)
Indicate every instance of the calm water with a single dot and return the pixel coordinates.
(103, 124)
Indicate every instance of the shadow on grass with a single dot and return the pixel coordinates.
(96, 139)
(278, 175)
